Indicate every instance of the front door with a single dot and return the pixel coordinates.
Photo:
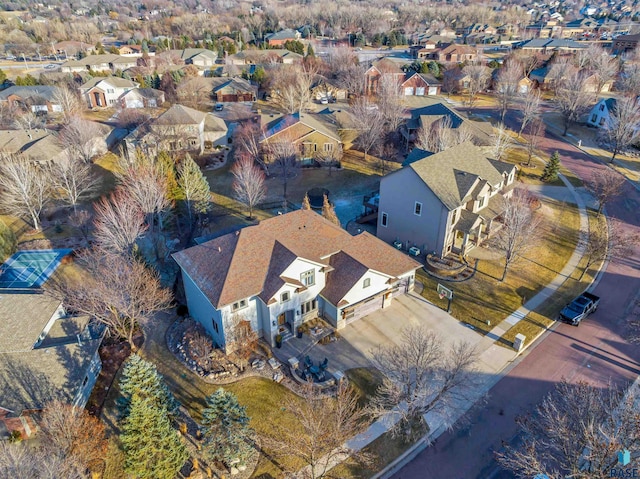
(282, 318)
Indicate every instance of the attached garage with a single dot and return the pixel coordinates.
(420, 91)
(433, 90)
(408, 91)
(362, 309)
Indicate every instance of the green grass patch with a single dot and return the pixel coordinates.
(484, 298)
(105, 168)
(8, 241)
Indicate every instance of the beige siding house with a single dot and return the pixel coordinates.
(444, 203)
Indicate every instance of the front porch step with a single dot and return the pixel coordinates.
(286, 335)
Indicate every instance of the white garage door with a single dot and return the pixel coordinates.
(420, 91)
(408, 91)
(433, 90)
(362, 309)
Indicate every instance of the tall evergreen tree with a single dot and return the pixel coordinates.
(551, 169)
(140, 378)
(167, 166)
(152, 447)
(310, 52)
(328, 212)
(194, 188)
(227, 434)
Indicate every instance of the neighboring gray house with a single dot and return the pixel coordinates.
(44, 354)
(39, 145)
(287, 270)
(100, 63)
(141, 98)
(601, 112)
(444, 203)
(39, 98)
(200, 57)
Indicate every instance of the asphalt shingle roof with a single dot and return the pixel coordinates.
(243, 264)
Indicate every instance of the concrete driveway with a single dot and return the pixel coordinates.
(385, 325)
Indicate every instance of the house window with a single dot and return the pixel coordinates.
(417, 209)
(109, 90)
(193, 142)
(309, 306)
(384, 219)
(284, 297)
(594, 118)
(453, 217)
(239, 305)
(215, 325)
(366, 283)
(481, 202)
(602, 107)
(308, 278)
(601, 121)
(328, 147)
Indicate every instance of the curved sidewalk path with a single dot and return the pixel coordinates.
(493, 362)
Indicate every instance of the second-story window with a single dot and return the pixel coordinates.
(284, 297)
(481, 202)
(417, 209)
(366, 283)
(308, 278)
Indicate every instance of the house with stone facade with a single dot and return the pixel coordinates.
(443, 203)
(287, 270)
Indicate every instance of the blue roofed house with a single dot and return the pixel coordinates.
(448, 202)
(287, 270)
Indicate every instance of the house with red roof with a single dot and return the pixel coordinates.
(287, 270)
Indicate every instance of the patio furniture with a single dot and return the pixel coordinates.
(324, 364)
(315, 370)
(307, 362)
(274, 363)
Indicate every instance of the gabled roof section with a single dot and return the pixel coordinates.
(30, 92)
(180, 115)
(346, 273)
(387, 66)
(312, 123)
(251, 261)
(287, 34)
(115, 82)
(451, 174)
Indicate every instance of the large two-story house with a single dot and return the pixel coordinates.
(444, 203)
(289, 269)
(104, 92)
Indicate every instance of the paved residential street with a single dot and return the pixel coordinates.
(596, 351)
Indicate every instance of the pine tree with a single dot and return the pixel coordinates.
(328, 212)
(140, 378)
(194, 188)
(152, 447)
(551, 169)
(167, 166)
(306, 205)
(227, 434)
(310, 52)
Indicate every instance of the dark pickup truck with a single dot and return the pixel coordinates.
(579, 308)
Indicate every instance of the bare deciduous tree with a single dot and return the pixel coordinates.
(69, 102)
(72, 433)
(369, 124)
(118, 222)
(390, 103)
(323, 427)
(24, 187)
(82, 221)
(200, 350)
(291, 86)
(283, 155)
(572, 100)
(519, 227)
(604, 242)
(118, 291)
(27, 121)
(440, 135)
(601, 65)
(193, 92)
(80, 137)
(501, 142)
(623, 124)
(248, 184)
(247, 139)
(605, 185)
(421, 375)
(560, 70)
(242, 339)
(530, 108)
(535, 132)
(20, 460)
(577, 431)
(73, 180)
(507, 86)
(479, 76)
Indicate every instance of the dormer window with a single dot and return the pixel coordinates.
(481, 202)
(308, 278)
(284, 297)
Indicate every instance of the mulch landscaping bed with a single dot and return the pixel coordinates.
(112, 354)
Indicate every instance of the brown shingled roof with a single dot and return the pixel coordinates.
(251, 261)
